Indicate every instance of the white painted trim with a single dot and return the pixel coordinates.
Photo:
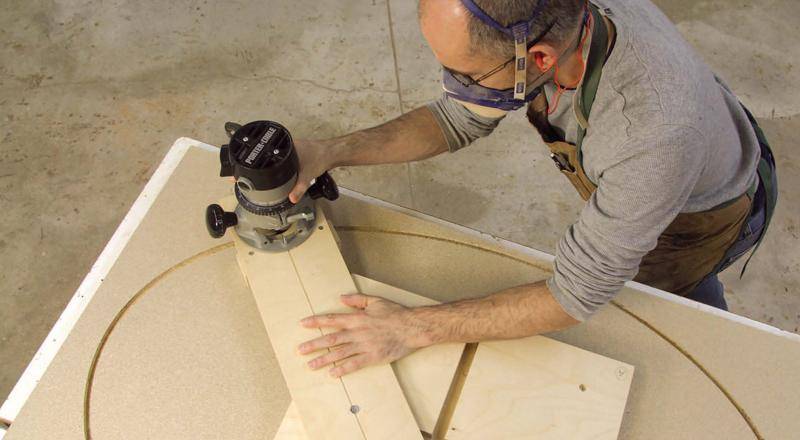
(713, 310)
(83, 295)
(550, 258)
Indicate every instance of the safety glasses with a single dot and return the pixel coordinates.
(468, 81)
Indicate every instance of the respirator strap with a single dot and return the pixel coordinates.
(519, 32)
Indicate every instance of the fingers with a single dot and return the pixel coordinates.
(350, 365)
(302, 185)
(336, 320)
(325, 341)
(299, 189)
(335, 355)
(358, 300)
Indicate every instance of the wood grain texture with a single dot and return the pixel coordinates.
(454, 393)
(309, 279)
(518, 389)
(291, 427)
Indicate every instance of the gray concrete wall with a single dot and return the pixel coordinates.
(93, 93)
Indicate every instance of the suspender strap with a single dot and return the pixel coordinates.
(594, 70)
(766, 168)
(767, 177)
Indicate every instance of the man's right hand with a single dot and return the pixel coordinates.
(316, 157)
(412, 136)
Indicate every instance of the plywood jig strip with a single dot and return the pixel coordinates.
(368, 404)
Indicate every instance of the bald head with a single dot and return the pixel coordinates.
(445, 24)
(556, 22)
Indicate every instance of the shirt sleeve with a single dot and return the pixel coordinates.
(460, 125)
(637, 197)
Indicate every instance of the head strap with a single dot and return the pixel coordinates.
(509, 30)
(519, 32)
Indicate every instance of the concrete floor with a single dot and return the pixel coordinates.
(92, 94)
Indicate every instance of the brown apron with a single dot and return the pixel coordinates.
(691, 246)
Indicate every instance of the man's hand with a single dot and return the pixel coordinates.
(377, 332)
(380, 331)
(315, 157)
(413, 136)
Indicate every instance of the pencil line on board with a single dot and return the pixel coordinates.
(341, 381)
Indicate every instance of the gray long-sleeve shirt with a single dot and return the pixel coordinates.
(665, 137)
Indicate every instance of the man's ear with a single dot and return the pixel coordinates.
(544, 57)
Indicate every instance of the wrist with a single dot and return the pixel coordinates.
(421, 334)
(325, 154)
(338, 152)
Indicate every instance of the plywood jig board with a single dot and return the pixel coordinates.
(525, 388)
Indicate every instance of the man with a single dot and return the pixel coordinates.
(661, 150)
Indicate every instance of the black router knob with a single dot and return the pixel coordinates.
(217, 220)
(226, 167)
(231, 128)
(324, 186)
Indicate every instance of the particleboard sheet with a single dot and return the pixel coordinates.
(190, 360)
(759, 371)
(206, 326)
(307, 280)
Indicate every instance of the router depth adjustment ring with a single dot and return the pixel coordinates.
(261, 209)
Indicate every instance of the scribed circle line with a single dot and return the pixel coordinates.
(87, 395)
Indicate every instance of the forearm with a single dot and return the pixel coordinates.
(509, 314)
(381, 331)
(412, 136)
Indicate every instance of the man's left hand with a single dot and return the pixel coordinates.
(378, 331)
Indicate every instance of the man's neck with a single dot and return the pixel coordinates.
(570, 73)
